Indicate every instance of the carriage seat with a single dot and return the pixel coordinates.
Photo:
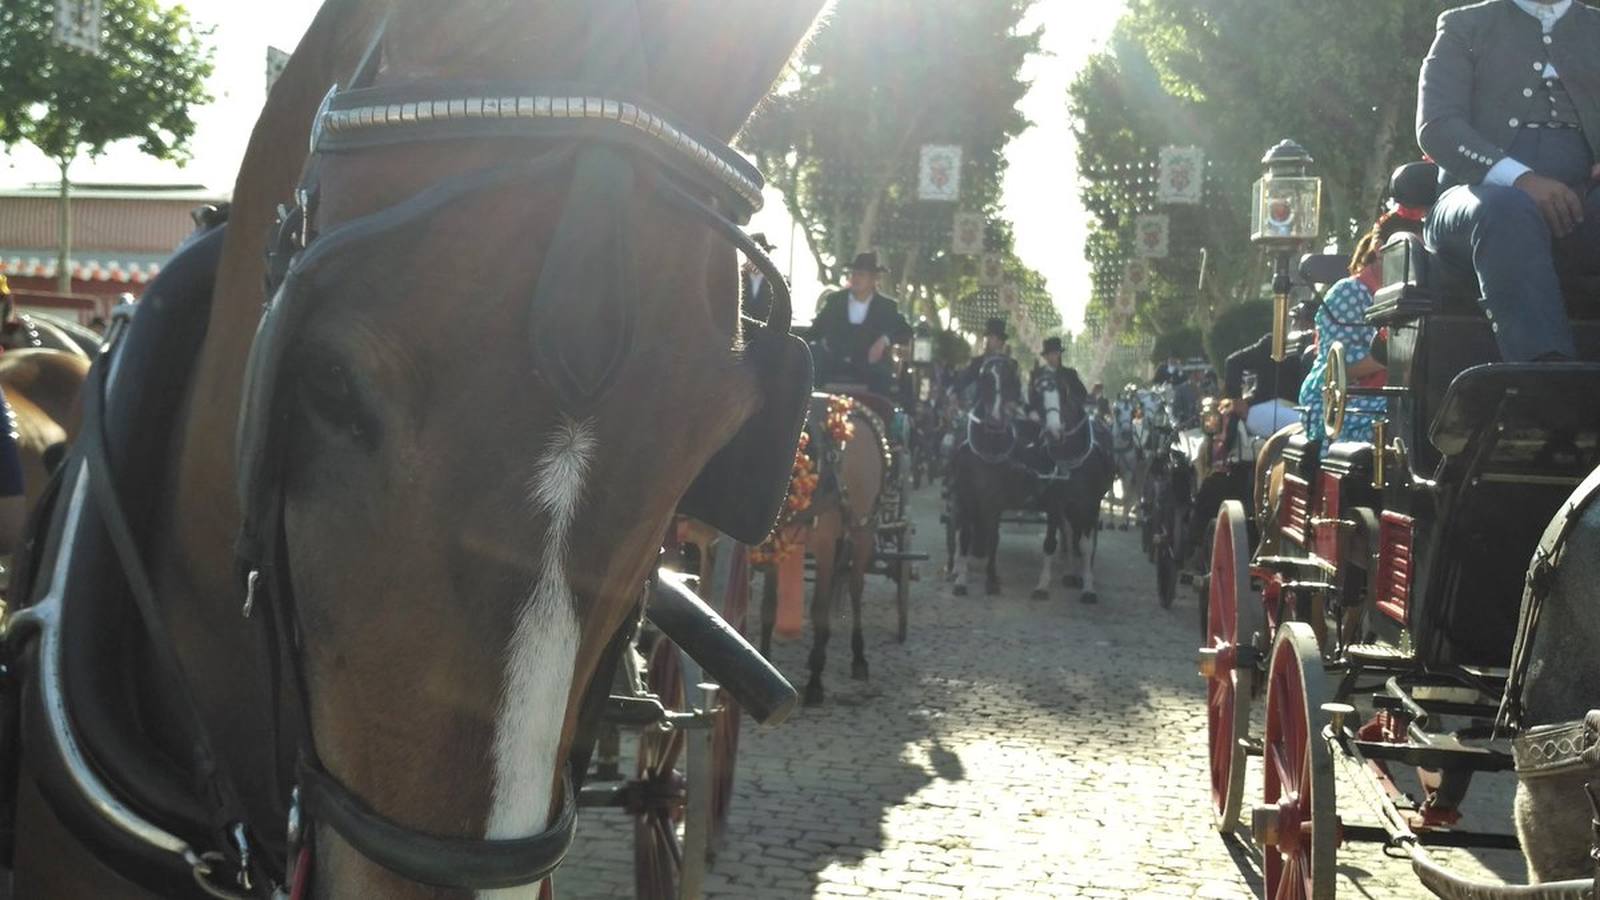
(1350, 456)
(1323, 269)
(1528, 404)
(1418, 282)
(1303, 457)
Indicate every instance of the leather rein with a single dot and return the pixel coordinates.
(698, 176)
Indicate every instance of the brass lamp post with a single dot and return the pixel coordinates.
(1285, 215)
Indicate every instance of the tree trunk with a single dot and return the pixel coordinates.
(869, 222)
(1375, 184)
(64, 231)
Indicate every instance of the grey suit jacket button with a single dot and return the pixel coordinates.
(1514, 123)
(1538, 67)
(1549, 40)
(1527, 92)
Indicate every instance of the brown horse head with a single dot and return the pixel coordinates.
(506, 360)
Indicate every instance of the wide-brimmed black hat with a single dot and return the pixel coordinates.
(867, 262)
(996, 328)
(760, 240)
(1052, 345)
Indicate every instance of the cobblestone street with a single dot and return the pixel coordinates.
(1011, 748)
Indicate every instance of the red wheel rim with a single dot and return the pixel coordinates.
(1222, 687)
(725, 734)
(1288, 778)
(657, 847)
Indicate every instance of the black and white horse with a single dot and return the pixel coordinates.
(1073, 454)
(988, 475)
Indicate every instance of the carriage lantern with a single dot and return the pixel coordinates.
(922, 344)
(1285, 214)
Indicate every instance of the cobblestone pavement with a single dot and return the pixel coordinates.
(1011, 748)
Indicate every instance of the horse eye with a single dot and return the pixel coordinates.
(329, 393)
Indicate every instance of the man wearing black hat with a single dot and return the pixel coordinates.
(855, 328)
(757, 290)
(994, 347)
(1065, 375)
(1269, 404)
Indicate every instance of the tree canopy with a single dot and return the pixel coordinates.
(142, 87)
(842, 136)
(1234, 77)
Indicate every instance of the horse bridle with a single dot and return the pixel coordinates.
(606, 134)
(610, 132)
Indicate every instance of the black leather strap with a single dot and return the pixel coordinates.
(442, 862)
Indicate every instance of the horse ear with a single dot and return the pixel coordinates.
(713, 61)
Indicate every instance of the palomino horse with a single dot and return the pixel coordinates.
(42, 387)
(843, 535)
(988, 476)
(496, 258)
(1076, 466)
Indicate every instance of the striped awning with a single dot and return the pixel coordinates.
(113, 270)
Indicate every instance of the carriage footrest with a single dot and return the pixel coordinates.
(1282, 563)
(903, 556)
(1318, 586)
(1442, 751)
(1377, 654)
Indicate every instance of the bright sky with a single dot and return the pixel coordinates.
(1040, 187)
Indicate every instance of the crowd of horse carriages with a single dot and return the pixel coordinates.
(1411, 608)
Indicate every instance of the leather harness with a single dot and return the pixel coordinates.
(604, 137)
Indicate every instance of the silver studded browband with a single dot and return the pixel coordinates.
(542, 108)
(1557, 749)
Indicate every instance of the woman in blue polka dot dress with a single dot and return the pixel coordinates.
(1343, 318)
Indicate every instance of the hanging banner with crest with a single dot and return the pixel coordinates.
(1011, 299)
(78, 24)
(939, 178)
(991, 270)
(1150, 235)
(1136, 277)
(1182, 176)
(967, 234)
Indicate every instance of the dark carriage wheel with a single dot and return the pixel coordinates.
(1202, 584)
(1296, 826)
(1228, 663)
(902, 587)
(1166, 575)
(657, 845)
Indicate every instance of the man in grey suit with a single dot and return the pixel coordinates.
(1509, 107)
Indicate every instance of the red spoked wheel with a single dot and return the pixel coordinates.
(1228, 661)
(1296, 826)
(662, 787)
(725, 732)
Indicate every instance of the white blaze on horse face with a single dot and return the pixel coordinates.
(1052, 408)
(541, 653)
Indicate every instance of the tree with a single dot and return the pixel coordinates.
(841, 138)
(150, 73)
(1234, 77)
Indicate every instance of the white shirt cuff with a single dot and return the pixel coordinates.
(1506, 172)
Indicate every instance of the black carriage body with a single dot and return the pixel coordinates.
(1485, 454)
